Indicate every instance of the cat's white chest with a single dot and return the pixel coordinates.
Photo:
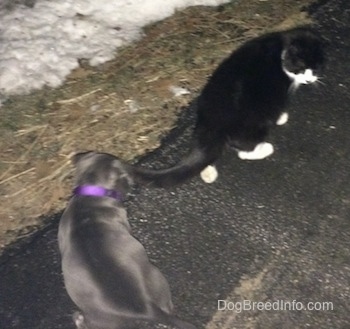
(302, 78)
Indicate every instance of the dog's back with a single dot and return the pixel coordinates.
(106, 270)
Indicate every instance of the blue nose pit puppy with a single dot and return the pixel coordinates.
(106, 270)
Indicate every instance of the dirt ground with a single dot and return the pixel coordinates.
(123, 107)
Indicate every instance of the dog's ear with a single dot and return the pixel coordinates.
(124, 174)
(80, 156)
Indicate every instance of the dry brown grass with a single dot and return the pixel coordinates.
(123, 107)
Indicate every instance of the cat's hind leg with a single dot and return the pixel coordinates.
(283, 119)
(251, 145)
(209, 174)
(261, 151)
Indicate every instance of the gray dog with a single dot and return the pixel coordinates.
(106, 270)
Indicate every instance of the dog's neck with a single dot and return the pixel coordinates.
(97, 191)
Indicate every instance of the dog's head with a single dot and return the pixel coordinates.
(102, 169)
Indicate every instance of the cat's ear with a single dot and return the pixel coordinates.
(76, 158)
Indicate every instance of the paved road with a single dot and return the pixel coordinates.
(272, 230)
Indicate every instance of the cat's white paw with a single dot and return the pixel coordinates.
(261, 151)
(209, 174)
(283, 119)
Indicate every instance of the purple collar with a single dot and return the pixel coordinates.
(99, 191)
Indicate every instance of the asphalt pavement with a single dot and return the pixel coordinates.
(272, 232)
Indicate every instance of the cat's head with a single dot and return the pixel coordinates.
(303, 56)
(102, 169)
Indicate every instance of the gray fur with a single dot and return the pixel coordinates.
(106, 270)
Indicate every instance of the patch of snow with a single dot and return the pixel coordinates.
(41, 45)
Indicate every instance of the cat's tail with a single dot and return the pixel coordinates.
(191, 165)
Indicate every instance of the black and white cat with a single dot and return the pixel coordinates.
(243, 99)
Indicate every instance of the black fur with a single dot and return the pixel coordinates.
(242, 100)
